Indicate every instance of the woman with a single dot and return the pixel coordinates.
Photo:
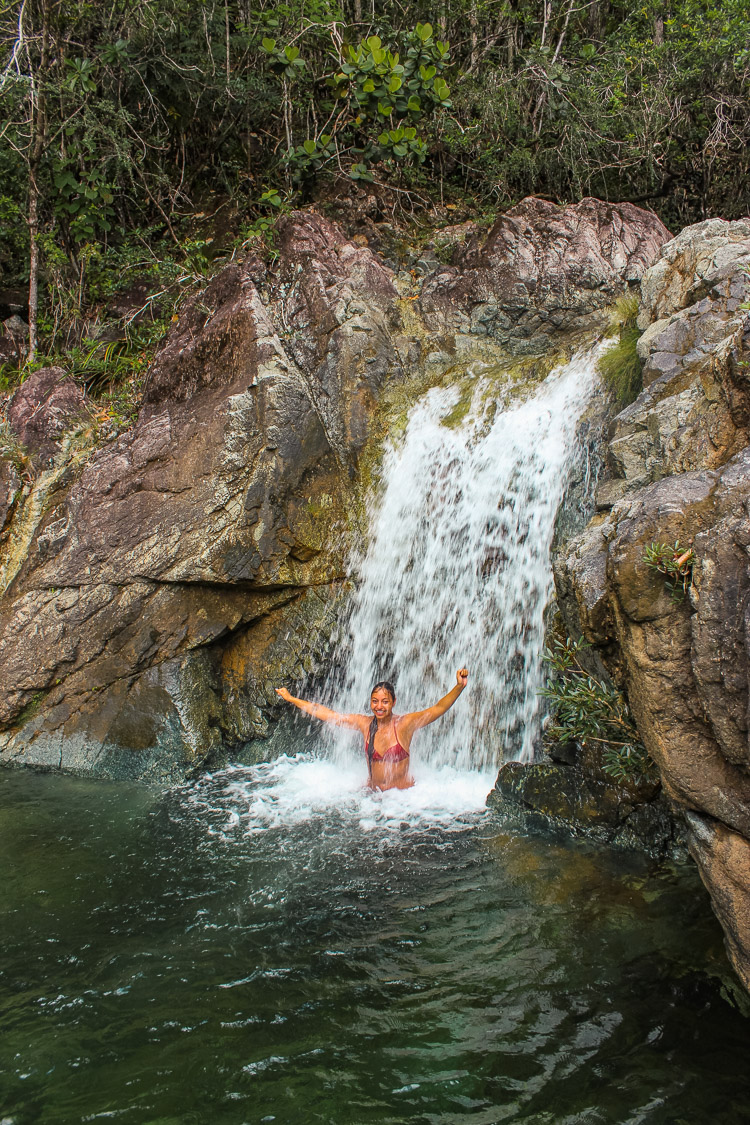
(387, 736)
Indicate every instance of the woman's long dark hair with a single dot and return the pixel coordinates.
(388, 686)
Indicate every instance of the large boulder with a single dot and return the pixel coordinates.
(682, 456)
(134, 615)
(542, 269)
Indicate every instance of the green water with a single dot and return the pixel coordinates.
(227, 953)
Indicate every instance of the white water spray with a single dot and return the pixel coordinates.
(458, 567)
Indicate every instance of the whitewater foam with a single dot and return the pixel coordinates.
(303, 789)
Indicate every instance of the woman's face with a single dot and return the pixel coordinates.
(381, 703)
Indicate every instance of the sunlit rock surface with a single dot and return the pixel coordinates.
(681, 459)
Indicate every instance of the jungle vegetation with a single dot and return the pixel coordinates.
(123, 124)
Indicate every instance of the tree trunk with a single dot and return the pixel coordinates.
(38, 135)
(33, 221)
(474, 34)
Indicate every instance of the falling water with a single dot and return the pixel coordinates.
(458, 572)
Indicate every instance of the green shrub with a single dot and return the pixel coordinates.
(590, 710)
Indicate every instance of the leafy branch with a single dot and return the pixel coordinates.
(589, 710)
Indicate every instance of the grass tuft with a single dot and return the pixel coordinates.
(620, 367)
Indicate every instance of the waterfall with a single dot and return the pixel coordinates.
(457, 570)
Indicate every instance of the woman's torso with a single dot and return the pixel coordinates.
(388, 759)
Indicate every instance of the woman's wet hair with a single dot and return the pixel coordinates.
(387, 686)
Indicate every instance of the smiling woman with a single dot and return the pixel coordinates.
(387, 736)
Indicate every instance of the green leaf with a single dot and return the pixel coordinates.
(291, 53)
(424, 31)
(268, 45)
(66, 182)
(309, 146)
(414, 104)
(360, 172)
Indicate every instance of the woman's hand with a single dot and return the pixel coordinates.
(462, 676)
(282, 691)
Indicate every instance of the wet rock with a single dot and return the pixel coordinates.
(585, 803)
(541, 269)
(47, 405)
(581, 584)
(723, 859)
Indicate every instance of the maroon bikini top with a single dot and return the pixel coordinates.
(395, 753)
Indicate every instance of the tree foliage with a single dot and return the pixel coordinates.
(129, 116)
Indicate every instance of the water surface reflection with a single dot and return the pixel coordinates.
(276, 944)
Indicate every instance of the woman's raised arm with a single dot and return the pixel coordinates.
(419, 719)
(325, 714)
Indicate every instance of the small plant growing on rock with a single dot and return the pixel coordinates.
(12, 450)
(620, 365)
(675, 563)
(590, 710)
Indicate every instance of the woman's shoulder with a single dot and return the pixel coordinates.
(407, 719)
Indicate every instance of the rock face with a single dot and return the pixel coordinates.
(45, 407)
(131, 621)
(681, 462)
(157, 589)
(542, 269)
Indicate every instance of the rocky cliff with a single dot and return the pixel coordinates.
(679, 470)
(155, 590)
